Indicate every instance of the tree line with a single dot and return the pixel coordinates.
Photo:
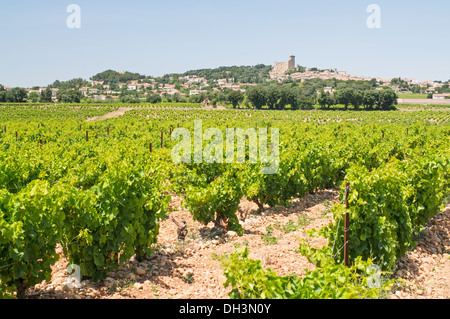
(20, 95)
(16, 95)
(384, 99)
(280, 97)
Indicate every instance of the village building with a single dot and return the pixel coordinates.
(441, 96)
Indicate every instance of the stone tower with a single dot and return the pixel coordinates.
(291, 63)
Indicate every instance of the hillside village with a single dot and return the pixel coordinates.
(186, 86)
(285, 71)
(191, 84)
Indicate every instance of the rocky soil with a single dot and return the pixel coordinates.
(192, 269)
(425, 270)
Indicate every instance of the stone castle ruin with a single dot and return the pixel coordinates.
(280, 68)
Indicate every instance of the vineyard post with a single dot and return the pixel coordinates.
(162, 139)
(108, 130)
(87, 136)
(17, 136)
(41, 142)
(347, 226)
(151, 147)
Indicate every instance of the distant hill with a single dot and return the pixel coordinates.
(241, 74)
(114, 77)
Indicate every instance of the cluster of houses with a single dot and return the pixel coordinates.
(286, 70)
(430, 87)
(191, 83)
(329, 74)
(194, 85)
(202, 84)
(101, 91)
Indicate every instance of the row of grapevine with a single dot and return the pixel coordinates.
(390, 206)
(99, 228)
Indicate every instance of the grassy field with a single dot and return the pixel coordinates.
(412, 95)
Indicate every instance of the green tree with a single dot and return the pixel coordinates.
(418, 89)
(257, 97)
(373, 83)
(33, 97)
(326, 99)
(177, 98)
(370, 98)
(3, 96)
(345, 96)
(235, 97)
(357, 98)
(46, 96)
(388, 98)
(19, 94)
(306, 102)
(154, 98)
(273, 94)
(288, 96)
(69, 96)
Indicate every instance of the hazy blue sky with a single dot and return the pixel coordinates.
(165, 36)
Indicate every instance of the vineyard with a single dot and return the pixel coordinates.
(97, 192)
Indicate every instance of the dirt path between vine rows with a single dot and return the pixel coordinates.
(122, 110)
(119, 112)
(192, 270)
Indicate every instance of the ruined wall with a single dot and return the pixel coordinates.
(280, 67)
